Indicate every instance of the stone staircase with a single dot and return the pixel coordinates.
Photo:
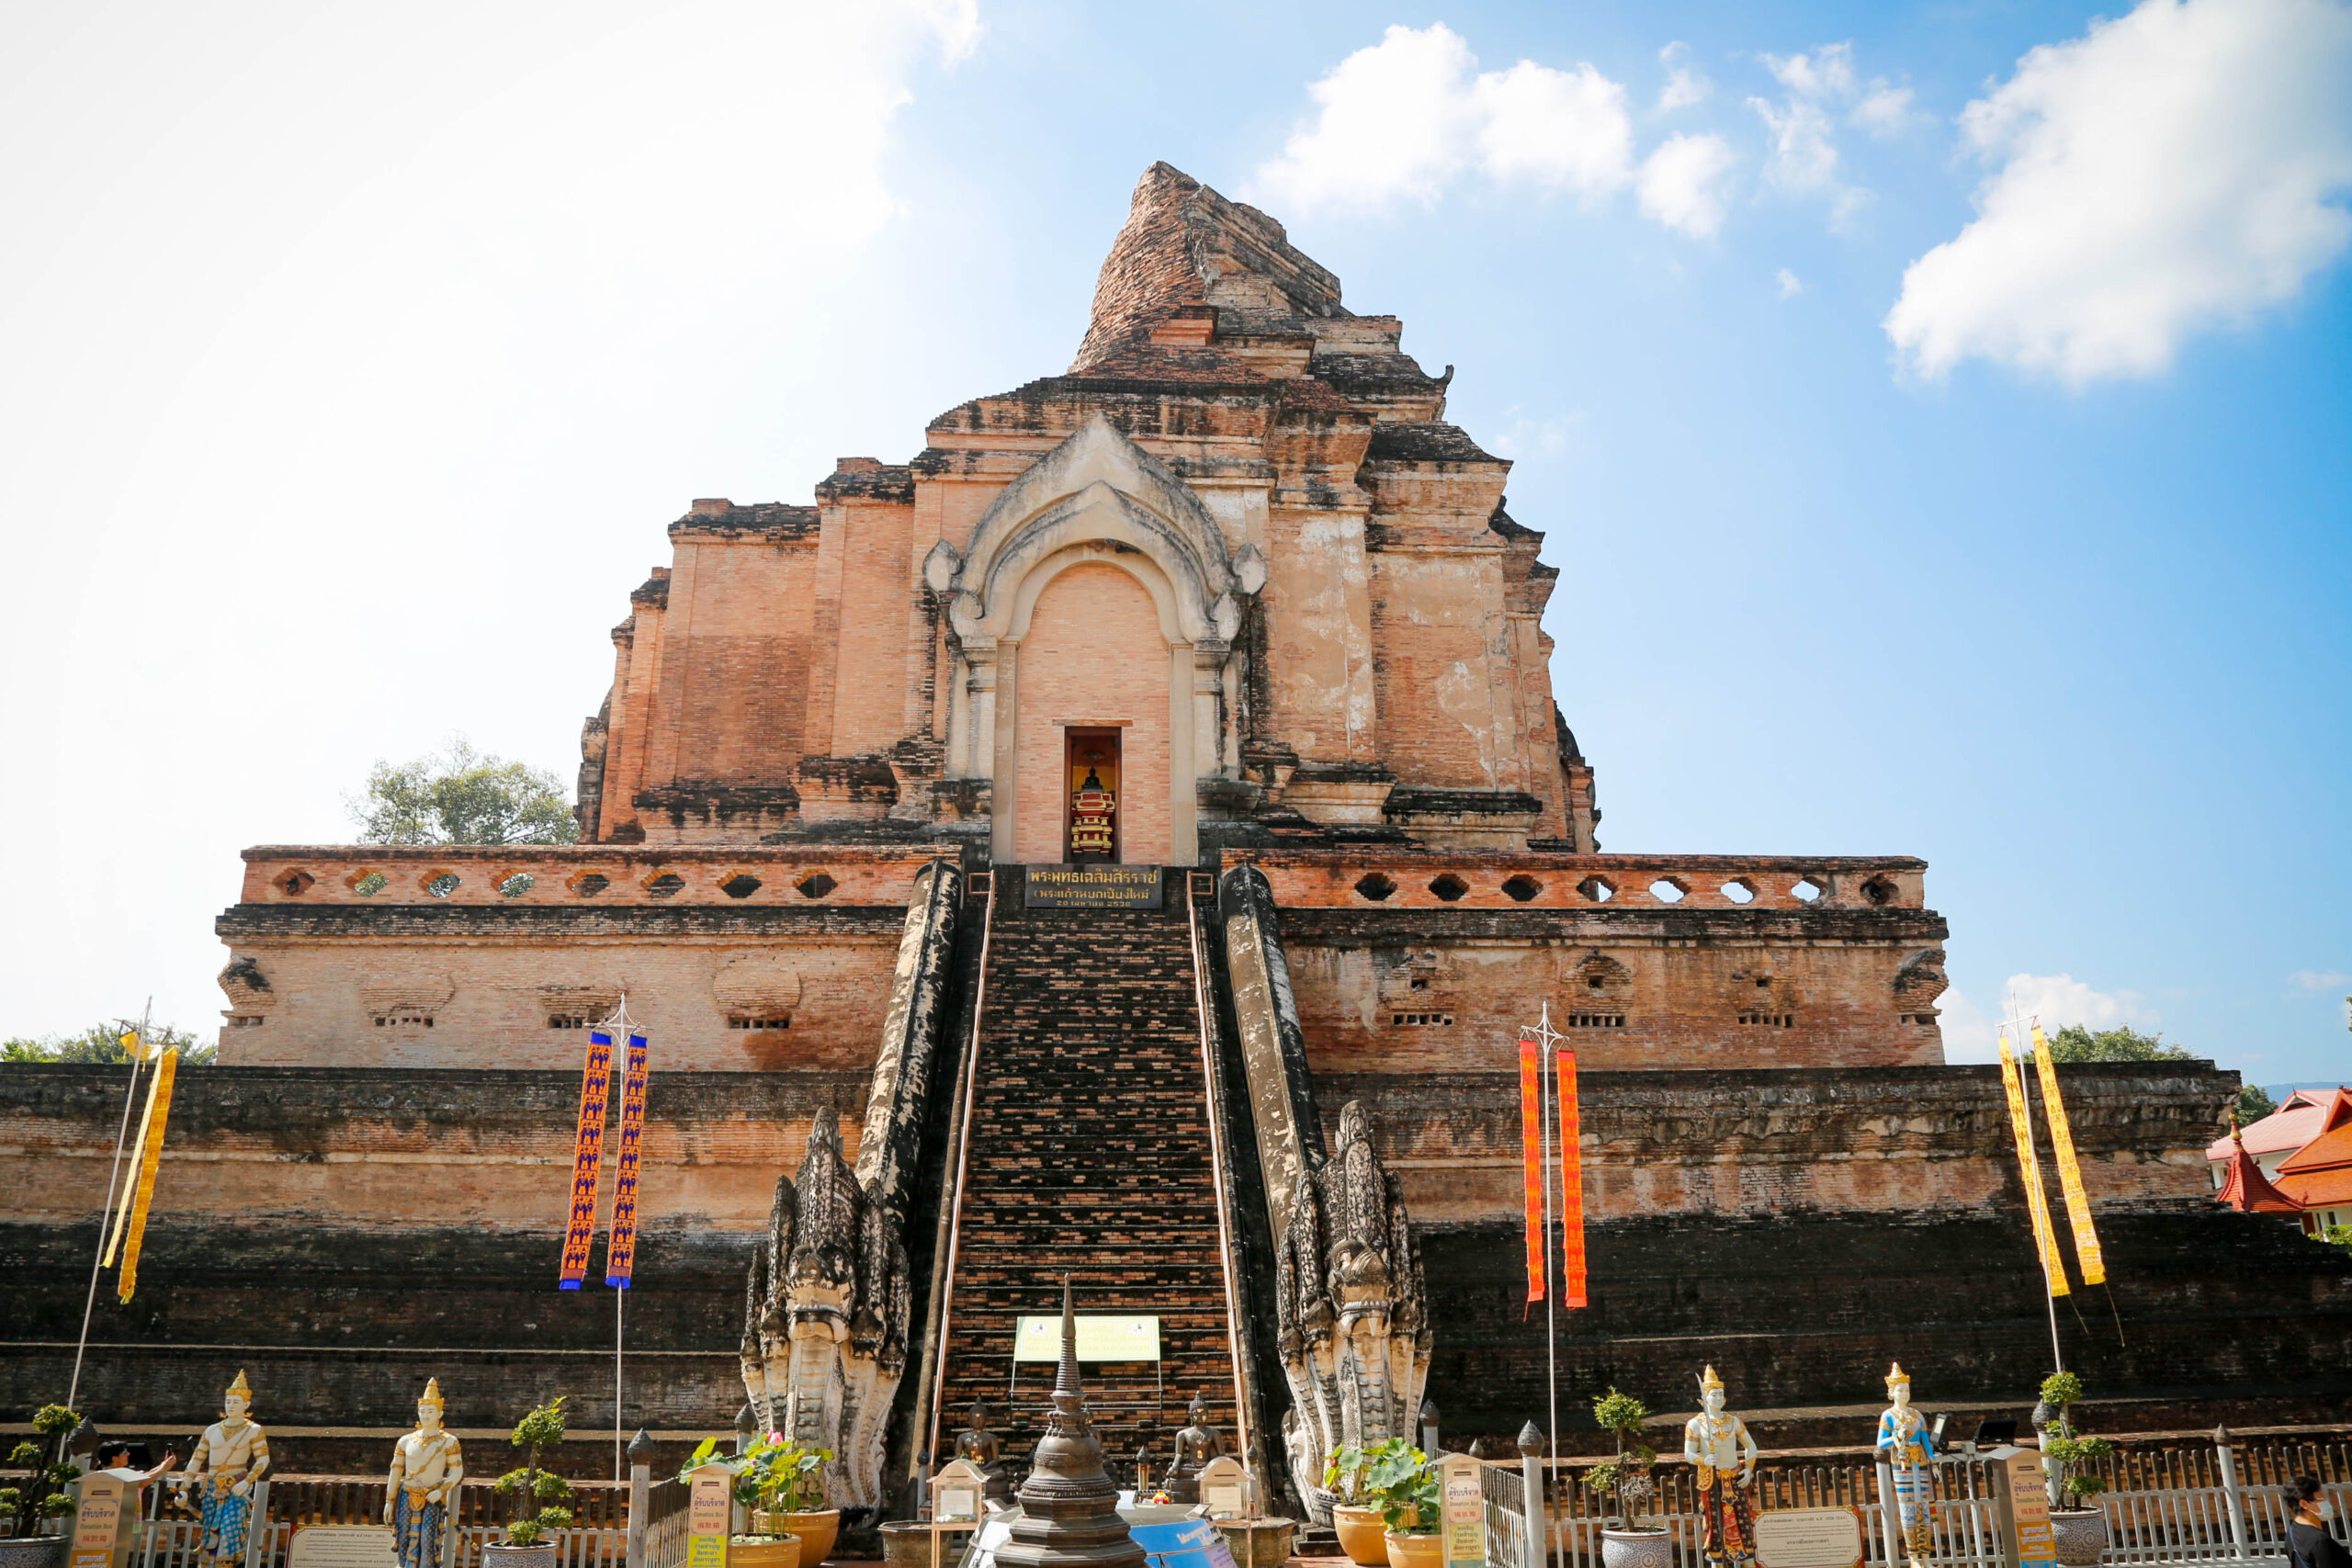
(1089, 1153)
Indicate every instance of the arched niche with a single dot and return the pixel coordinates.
(1097, 498)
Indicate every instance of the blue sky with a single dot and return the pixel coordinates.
(1940, 440)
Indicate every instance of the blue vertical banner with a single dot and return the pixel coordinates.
(620, 1257)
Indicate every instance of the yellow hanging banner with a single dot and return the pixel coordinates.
(151, 1153)
(2069, 1170)
(121, 1216)
(2037, 1202)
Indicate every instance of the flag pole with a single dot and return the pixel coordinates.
(1549, 1039)
(106, 1215)
(2049, 1291)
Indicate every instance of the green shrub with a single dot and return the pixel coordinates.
(531, 1484)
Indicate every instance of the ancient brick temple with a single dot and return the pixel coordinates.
(1125, 839)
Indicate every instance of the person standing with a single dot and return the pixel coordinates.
(116, 1460)
(2308, 1540)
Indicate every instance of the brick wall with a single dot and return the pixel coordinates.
(1094, 654)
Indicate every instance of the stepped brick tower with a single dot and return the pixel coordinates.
(1124, 840)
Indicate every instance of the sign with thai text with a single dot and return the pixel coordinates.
(98, 1518)
(1809, 1538)
(1461, 1502)
(1099, 1339)
(710, 1510)
(342, 1546)
(1090, 887)
(2031, 1545)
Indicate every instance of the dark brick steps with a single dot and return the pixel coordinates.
(1089, 1155)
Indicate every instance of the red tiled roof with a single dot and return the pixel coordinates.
(2307, 1113)
(2244, 1187)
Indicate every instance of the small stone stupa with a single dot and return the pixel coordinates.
(1069, 1514)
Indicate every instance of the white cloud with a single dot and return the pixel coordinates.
(2179, 168)
(1685, 183)
(2056, 1000)
(1883, 109)
(1404, 119)
(1565, 128)
(1685, 85)
(2316, 980)
(1790, 284)
(1804, 160)
(1804, 145)
(1827, 73)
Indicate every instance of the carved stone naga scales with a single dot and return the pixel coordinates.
(825, 1319)
(1351, 1316)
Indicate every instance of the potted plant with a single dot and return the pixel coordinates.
(528, 1543)
(2077, 1524)
(1629, 1540)
(1363, 1532)
(1400, 1480)
(32, 1504)
(784, 1484)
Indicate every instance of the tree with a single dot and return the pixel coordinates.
(463, 798)
(102, 1043)
(2253, 1104)
(2123, 1043)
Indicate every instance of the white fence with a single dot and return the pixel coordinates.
(2219, 1523)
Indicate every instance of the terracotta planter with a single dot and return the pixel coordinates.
(1364, 1535)
(546, 1554)
(1636, 1549)
(764, 1551)
(1258, 1543)
(1414, 1550)
(2079, 1535)
(816, 1530)
(33, 1552)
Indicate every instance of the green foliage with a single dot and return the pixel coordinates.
(2340, 1235)
(1399, 1480)
(2067, 1452)
(1601, 1478)
(1343, 1474)
(2253, 1104)
(463, 798)
(540, 1429)
(35, 1501)
(102, 1043)
(1620, 1413)
(706, 1452)
(779, 1476)
(2076, 1044)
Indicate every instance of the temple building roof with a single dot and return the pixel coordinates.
(2245, 1188)
(2304, 1115)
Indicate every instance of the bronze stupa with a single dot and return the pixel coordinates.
(1069, 1513)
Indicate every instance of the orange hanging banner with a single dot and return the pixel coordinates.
(1563, 1065)
(1531, 1140)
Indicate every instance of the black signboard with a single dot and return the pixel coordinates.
(1089, 888)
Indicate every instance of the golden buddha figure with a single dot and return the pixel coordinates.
(427, 1469)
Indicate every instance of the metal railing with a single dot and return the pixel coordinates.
(2164, 1506)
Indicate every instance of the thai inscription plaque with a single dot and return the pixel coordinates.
(1090, 887)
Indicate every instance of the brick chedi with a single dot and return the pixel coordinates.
(1227, 629)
